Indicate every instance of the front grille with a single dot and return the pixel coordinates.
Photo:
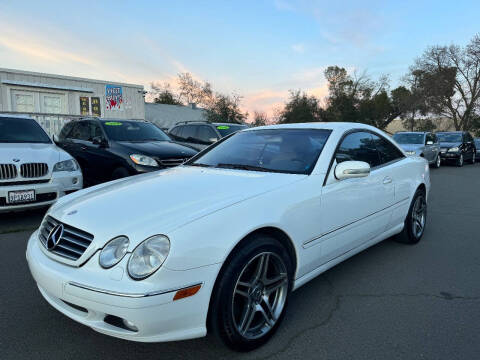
(73, 241)
(38, 199)
(33, 170)
(171, 162)
(8, 171)
(28, 182)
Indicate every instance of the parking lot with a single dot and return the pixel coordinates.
(392, 301)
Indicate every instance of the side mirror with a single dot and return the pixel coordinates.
(429, 142)
(352, 169)
(55, 138)
(100, 141)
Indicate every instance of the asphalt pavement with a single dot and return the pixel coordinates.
(391, 301)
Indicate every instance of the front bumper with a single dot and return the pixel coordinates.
(450, 155)
(60, 184)
(92, 296)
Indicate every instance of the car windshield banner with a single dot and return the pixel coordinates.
(113, 97)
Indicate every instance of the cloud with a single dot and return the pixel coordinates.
(298, 48)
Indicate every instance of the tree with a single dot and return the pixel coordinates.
(194, 91)
(259, 118)
(162, 94)
(449, 80)
(300, 108)
(225, 108)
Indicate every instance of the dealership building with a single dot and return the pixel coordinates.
(55, 99)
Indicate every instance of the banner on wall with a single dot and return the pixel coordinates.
(113, 97)
(84, 105)
(96, 111)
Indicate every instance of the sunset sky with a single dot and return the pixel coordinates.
(259, 49)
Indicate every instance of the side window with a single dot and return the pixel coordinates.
(388, 152)
(435, 139)
(80, 131)
(189, 132)
(358, 146)
(205, 134)
(65, 131)
(96, 132)
(429, 137)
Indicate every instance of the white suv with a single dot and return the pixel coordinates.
(34, 172)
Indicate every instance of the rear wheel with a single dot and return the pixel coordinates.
(251, 294)
(473, 158)
(416, 220)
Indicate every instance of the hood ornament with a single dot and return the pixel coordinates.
(72, 212)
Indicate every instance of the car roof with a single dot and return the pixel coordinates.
(16, 116)
(450, 132)
(318, 125)
(412, 132)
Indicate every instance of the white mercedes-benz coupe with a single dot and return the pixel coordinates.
(34, 172)
(219, 243)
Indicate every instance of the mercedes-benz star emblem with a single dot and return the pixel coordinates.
(54, 237)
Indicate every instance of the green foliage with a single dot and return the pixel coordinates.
(300, 108)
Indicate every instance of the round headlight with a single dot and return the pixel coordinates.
(148, 257)
(114, 251)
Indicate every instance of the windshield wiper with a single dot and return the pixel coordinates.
(199, 165)
(246, 167)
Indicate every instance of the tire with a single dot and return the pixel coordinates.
(437, 162)
(409, 234)
(460, 161)
(473, 160)
(238, 311)
(119, 173)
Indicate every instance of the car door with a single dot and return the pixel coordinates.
(74, 143)
(355, 210)
(429, 152)
(470, 146)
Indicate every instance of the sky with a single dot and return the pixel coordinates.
(258, 49)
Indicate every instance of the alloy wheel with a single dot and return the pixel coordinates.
(419, 214)
(438, 161)
(260, 295)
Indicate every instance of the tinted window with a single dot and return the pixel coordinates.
(387, 151)
(358, 146)
(449, 137)
(137, 131)
(189, 132)
(275, 150)
(428, 138)
(225, 130)
(18, 130)
(408, 138)
(65, 130)
(206, 134)
(81, 131)
(468, 137)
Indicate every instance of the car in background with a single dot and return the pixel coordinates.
(457, 147)
(34, 172)
(201, 134)
(112, 149)
(219, 243)
(477, 146)
(419, 143)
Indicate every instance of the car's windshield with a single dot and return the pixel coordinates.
(20, 130)
(293, 151)
(409, 138)
(225, 130)
(135, 131)
(449, 137)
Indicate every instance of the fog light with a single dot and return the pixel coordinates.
(74, 181)
(129, 325)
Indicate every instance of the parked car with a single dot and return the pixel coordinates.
(220, 242)
(34, 172)
(457, 147)
(477, 147)
(111, 149)
(419, 143)
(201, 134)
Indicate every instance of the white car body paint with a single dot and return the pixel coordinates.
(206, 212)
(58, 182)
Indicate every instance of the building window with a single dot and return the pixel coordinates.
(24, 103)
(84, 105)
(52, 104)
(96, 110)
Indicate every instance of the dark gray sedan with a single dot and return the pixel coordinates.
(419, 143)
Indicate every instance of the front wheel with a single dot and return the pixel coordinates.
(473, 158)
(437, 162)
(416, 220)
(460, 161)
(251, 294)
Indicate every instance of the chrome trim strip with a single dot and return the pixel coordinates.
(131, 295)
(353, 222)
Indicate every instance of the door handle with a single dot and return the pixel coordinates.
(387, 180)
(83, 147)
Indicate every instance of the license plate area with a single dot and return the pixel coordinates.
(21, 196)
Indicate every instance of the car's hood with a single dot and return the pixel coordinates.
(412, 147)
(26, 153)
(159, 202)
(449, 145)
(161, 149)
